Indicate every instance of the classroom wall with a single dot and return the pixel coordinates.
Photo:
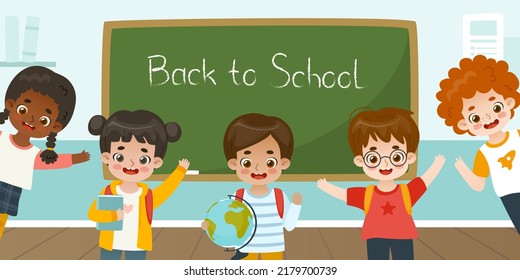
(71, 35)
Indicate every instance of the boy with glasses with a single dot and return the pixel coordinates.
(384, 143)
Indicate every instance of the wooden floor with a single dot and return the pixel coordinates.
(302, 243)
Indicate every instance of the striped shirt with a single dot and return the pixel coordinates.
(269, 230)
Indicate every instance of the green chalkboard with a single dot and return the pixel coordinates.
(312, 73)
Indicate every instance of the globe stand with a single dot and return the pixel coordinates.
(240, 255)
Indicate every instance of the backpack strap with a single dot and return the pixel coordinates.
(148, 198)
(239, 194)
(407, 200)
(405, 192)
(108, 191)
(369, 192)
(278, 195)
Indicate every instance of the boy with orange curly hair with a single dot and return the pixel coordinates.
(479, 98)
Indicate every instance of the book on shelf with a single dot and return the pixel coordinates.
(30, 42)
(12, 41)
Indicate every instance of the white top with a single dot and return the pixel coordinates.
(502, 162)
(269, 231)
(16, 163)
(126, 239)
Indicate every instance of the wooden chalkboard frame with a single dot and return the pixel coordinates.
(409, 25)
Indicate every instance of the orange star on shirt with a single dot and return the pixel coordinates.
(388, 209)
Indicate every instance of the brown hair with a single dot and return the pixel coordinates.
(480, 74)
(383, 124)
(249, 129)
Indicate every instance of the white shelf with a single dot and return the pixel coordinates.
(27, 64)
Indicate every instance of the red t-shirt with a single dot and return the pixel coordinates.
(387, 216)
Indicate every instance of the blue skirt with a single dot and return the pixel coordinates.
(9, 198)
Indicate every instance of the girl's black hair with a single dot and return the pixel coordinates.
(144, 125)
(46, 82)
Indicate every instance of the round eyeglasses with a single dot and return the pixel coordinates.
(373, 159)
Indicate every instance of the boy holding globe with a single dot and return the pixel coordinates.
(258, 148)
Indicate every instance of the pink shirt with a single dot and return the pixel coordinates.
(63, 161)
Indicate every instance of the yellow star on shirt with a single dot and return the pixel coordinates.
(507, 160)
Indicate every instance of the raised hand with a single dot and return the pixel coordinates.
(322, 183)
(460, 164)
(476, 182)
(439, 160)
(331, 189)
(434, 170)
(184, 163)
(297, 198)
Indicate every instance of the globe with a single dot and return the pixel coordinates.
(231, 223)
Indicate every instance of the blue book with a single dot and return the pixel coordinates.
(11, 39)
(30, 42)
(112, 203)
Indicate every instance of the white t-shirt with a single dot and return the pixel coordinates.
(17, 163)
(501, 161)
(126, 239)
